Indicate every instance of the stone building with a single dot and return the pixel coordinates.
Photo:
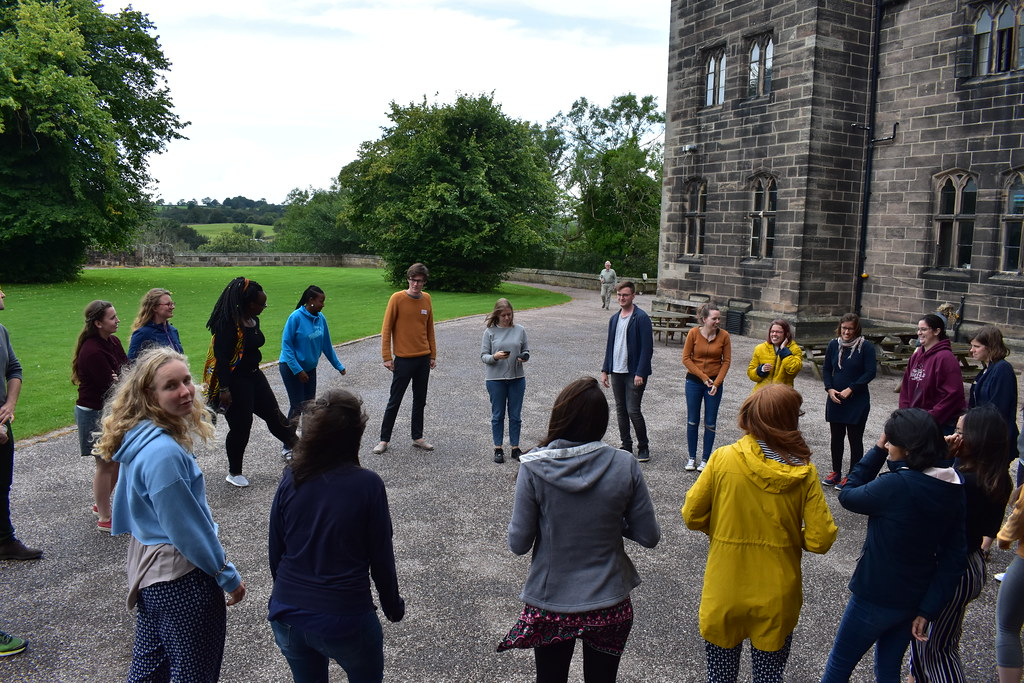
(823, 156)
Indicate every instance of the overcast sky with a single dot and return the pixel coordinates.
(281, 93)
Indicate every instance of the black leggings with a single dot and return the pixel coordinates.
(251, 395)
(856, 437)
(553, 663)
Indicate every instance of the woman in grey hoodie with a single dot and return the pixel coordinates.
(503, 350)
(576, 499)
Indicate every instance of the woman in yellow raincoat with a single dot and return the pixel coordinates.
(760, 504)
(778, 359)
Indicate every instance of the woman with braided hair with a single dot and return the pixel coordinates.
(235, 383)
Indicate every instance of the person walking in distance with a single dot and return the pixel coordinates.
(409, 352)
(608, 280)
(627, 365)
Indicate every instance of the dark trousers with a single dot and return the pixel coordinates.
(855, 434)
(628, 397)
(6, 478)
(179, 631)
(251, 395)
(406, 370)
(553, 663)
(298, 393)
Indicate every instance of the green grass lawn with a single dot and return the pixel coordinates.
(45, 320)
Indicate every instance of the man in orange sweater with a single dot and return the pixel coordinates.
(409, 352)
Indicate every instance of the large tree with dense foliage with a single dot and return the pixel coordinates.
(609, 163)
(460, 187)
(83, 102)
(317, 221)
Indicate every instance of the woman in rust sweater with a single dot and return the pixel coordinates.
(707, 355)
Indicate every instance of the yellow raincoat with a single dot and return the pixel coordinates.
(759, 515)
(784, 370)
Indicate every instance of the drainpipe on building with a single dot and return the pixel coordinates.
(869, 156)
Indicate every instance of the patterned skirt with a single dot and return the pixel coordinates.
(605, 630)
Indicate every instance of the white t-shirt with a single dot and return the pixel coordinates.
(620, 355)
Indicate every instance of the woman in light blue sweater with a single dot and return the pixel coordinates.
(503, 350)
(304, 339)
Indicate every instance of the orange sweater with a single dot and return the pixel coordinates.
(707, 359)
(408, 329)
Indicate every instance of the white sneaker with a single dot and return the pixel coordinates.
(691, 465)
(238, 480)
(999, 576)
(700, 467)
(286, 453)
(380, 448)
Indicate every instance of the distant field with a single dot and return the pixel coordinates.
(44, 320)
(211, 230)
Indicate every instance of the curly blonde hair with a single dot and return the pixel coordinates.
(133, 400)
(147, 305)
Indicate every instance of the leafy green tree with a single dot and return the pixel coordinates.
(317, 221)
(461, 187)
(233, 242)
(82, 105)
(163, 230)
(609, 168)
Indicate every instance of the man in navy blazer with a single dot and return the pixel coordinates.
(627, 363)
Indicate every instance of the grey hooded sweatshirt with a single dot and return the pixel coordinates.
(574, 505)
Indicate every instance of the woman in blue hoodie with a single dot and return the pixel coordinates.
(576, 499)
(915, 550)
(304, 339)
(177, 569)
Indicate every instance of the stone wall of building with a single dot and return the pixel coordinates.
(809, 135)
(801, 134)
(949, 121)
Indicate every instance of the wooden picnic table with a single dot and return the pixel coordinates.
(670, 323)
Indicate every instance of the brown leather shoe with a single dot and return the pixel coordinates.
(16, 550)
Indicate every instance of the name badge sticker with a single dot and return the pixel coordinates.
(423, 311)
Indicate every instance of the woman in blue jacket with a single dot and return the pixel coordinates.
(177, 569)
(915, 550)
(330, 532)
(304, 339)
(996, 385)
(849, 366)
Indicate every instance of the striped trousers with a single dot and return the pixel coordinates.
(937, 660)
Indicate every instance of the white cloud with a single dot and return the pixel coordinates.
(280, 95)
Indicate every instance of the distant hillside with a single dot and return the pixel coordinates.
(231, 210)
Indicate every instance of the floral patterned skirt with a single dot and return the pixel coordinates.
(605, 630)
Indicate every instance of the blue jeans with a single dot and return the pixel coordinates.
(508, 392)
(298, 393)
(360, 652)
(865, 624)
(696, 392)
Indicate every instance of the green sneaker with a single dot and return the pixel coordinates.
(9, 645)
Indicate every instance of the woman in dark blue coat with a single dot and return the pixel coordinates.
(849, 367)
(996, 385)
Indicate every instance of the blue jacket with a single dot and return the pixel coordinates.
(998, 385)
(304, 338)
(161, 498)
(639, 344)
(152, 334)
(328, 537)
(915, 550)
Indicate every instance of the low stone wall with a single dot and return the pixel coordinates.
(160, 255)
(563, 278)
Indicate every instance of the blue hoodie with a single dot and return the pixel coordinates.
(304, 338)
(161, 498)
